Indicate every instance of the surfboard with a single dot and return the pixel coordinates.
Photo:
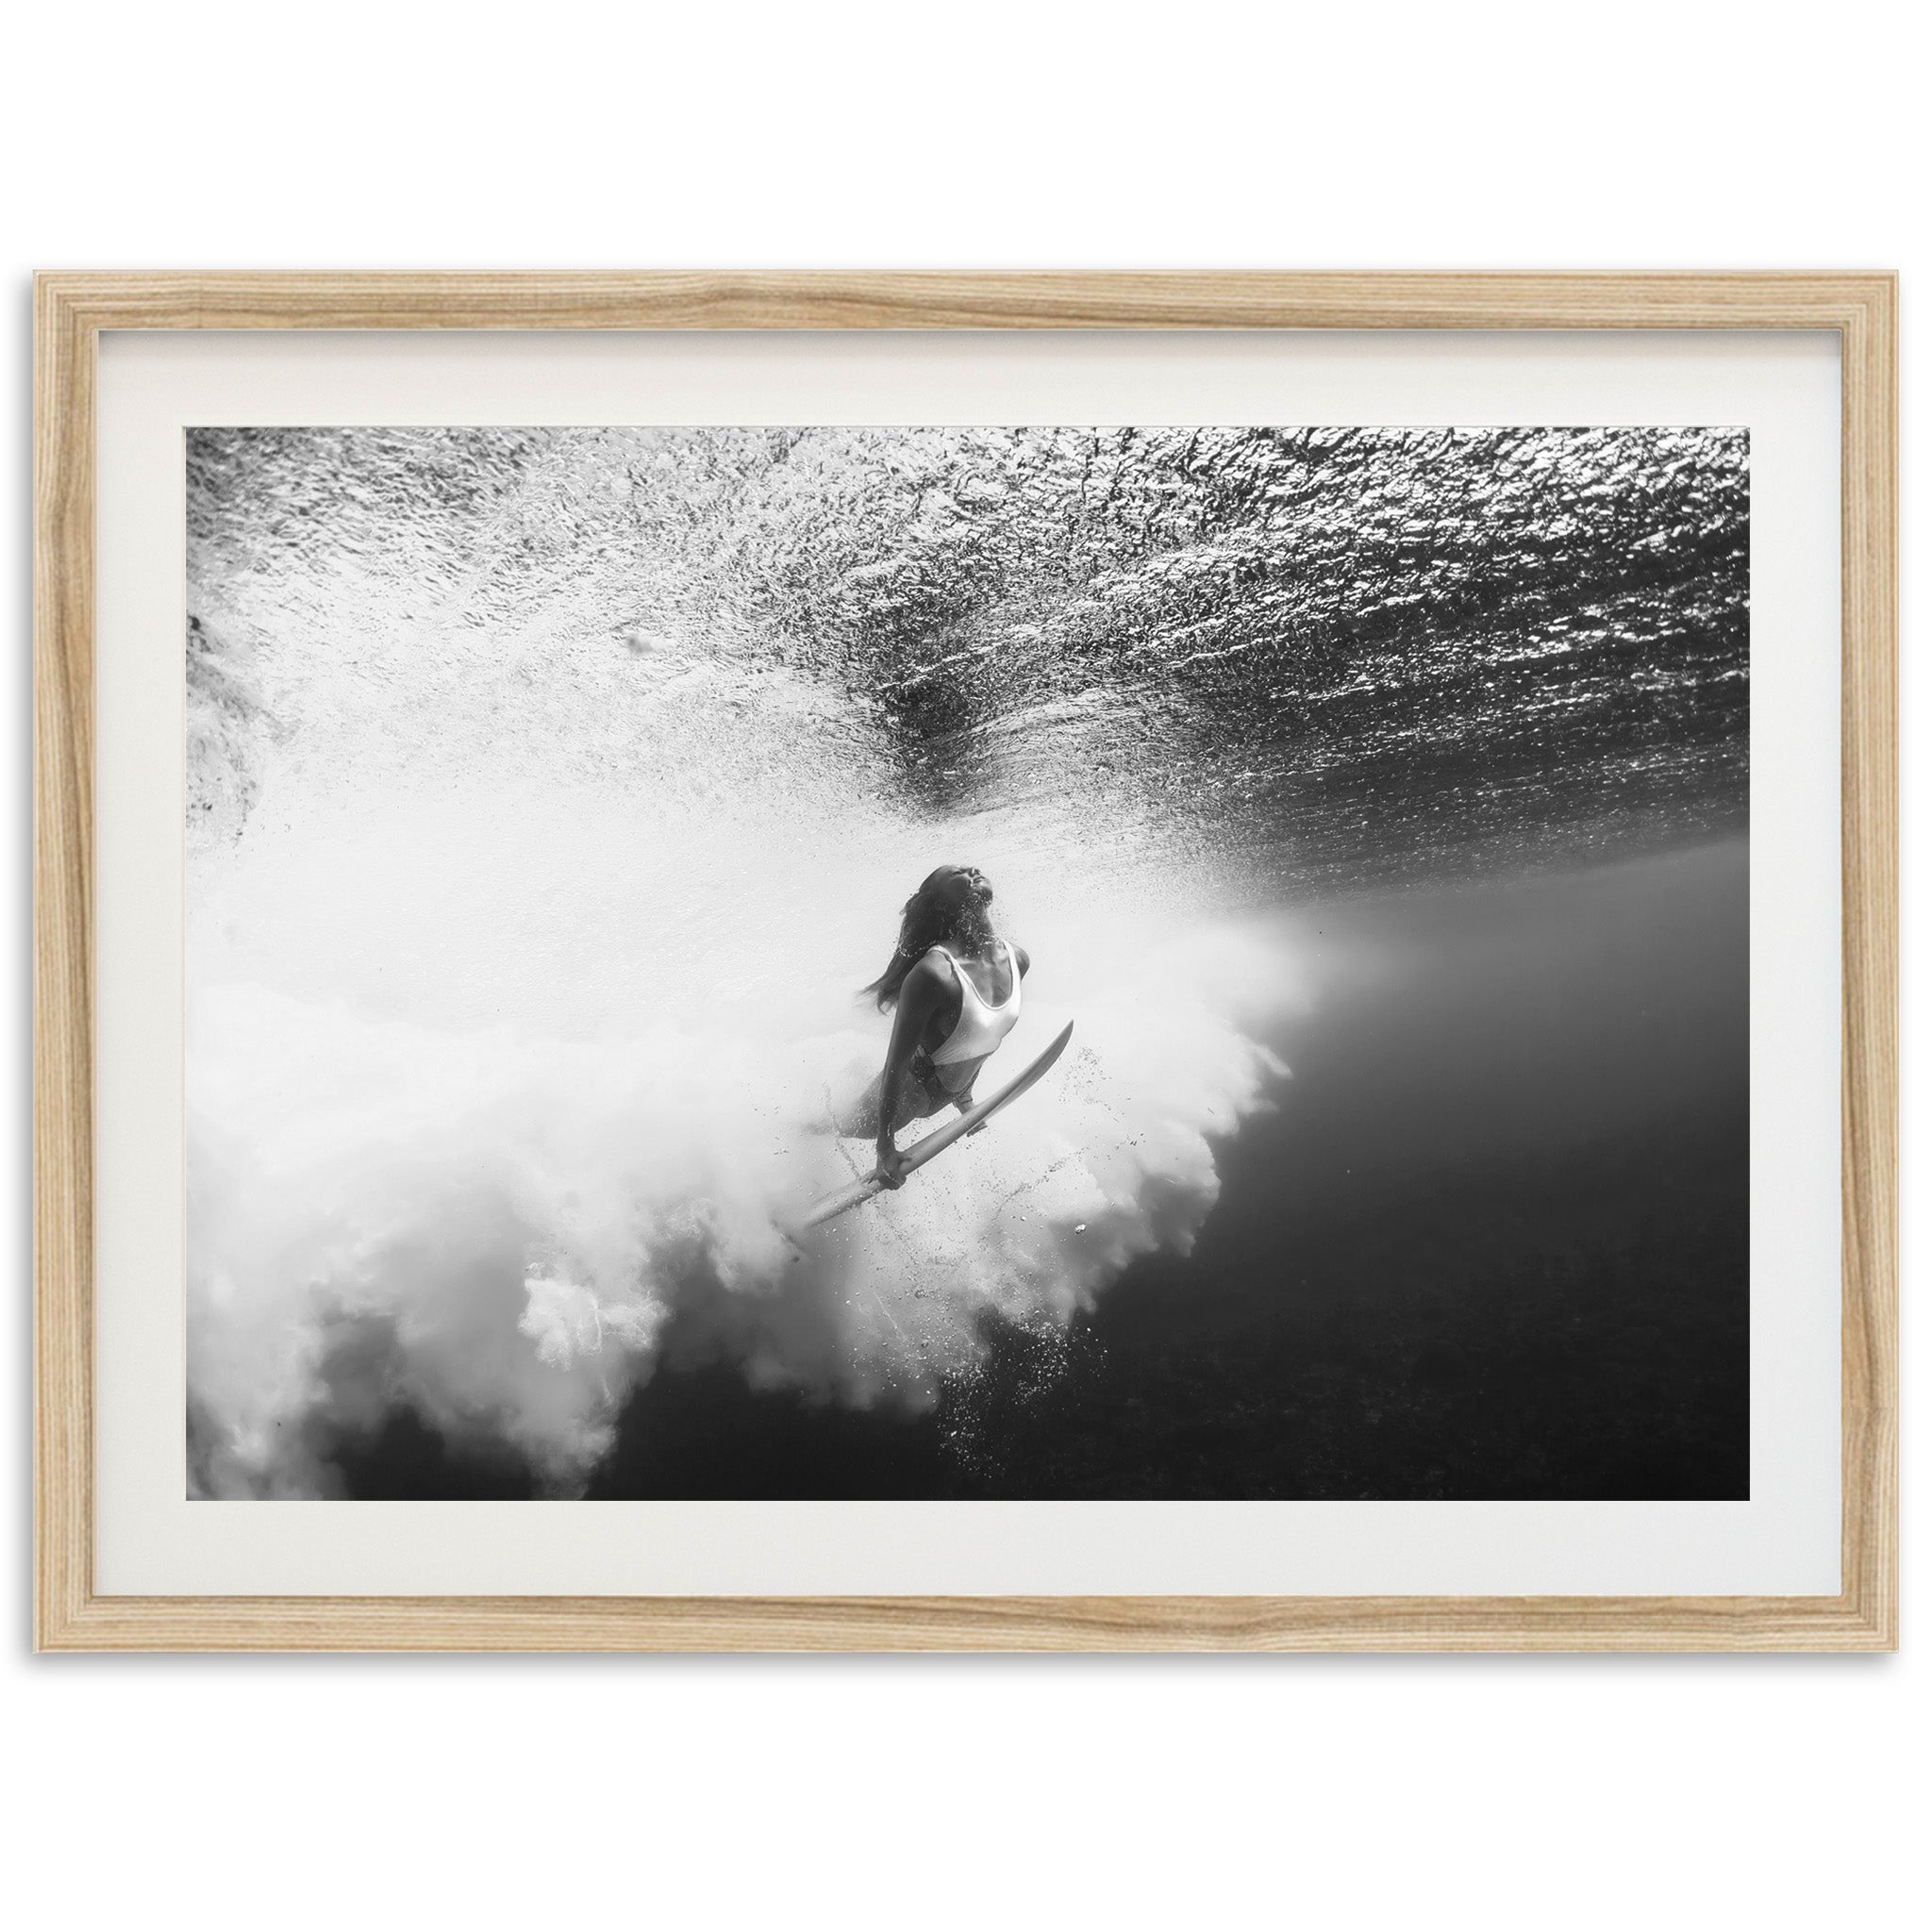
(938, 1142)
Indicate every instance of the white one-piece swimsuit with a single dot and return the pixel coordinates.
(982, 1026)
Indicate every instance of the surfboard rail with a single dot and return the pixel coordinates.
(940, 1138)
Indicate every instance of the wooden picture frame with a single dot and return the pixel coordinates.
(72, 312)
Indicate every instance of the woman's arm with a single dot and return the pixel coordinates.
(919, 997)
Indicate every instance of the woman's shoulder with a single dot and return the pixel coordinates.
(932, 967)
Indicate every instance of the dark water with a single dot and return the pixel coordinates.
(1493, 1243)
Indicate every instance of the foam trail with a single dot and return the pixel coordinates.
(492, 1229)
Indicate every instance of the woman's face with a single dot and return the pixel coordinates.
(964, 885)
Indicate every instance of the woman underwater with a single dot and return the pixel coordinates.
(953, 987)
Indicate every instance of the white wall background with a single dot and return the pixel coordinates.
(1332, 1792)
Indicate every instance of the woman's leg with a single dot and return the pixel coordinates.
(919, 1096)
(860, 1121)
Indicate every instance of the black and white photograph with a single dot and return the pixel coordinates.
(1031, 962)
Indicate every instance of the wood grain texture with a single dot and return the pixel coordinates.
(73, 308)
(63, 963)
(830, 301)
(967, 1624)
(1869, 1080)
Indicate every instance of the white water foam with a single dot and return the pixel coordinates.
(494, 1228)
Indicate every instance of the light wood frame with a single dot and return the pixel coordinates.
(72, 309)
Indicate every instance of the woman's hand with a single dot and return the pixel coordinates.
(892, 1167)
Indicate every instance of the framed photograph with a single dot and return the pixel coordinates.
(1051, 962)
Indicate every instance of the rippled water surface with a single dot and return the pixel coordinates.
(1341, 654)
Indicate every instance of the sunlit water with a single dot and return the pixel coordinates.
(552, 792)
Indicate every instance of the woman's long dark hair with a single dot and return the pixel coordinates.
(924, 921)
